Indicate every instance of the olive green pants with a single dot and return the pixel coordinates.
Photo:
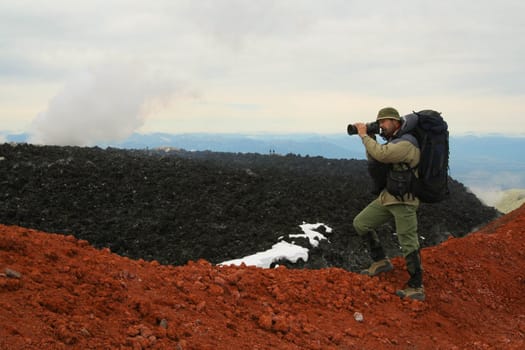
(405, 216)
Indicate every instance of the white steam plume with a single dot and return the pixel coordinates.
(104, 104)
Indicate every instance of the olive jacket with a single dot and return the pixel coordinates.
(400, 150)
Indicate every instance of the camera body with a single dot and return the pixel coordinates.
(371, 128)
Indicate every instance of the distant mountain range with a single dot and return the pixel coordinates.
(483, 163)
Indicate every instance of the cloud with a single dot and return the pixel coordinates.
(411, 54)
(235, 22)
(103, 104)
(491, 187)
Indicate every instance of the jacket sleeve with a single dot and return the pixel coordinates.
(391, 153)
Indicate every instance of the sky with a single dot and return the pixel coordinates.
(82, 72)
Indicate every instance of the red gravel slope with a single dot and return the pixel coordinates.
(57, 292)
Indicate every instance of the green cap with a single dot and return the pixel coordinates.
(388, 113)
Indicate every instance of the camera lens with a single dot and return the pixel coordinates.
(351, 130)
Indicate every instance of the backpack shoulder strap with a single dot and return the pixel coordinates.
(408, 137)
(407, 130)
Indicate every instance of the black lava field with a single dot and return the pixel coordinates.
(175, 206)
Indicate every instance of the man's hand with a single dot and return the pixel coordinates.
(361, 129)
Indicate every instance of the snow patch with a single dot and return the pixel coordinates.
(313, 236)
(284, 250)
(279, 251)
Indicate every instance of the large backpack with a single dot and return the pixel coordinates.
(431, 132)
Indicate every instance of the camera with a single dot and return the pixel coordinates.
(371, 128)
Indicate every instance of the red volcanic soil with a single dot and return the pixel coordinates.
(57, 292)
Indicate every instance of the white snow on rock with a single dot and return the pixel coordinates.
(313, 236)
(284, 250)
(281, 250)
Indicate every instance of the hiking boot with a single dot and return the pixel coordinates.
(414, 269)
(377, 267)
(417, 293)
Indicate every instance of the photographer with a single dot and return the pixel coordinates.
(392, 167)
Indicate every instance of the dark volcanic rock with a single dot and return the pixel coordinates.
(178, 206)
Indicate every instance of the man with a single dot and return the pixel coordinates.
(398, 156)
